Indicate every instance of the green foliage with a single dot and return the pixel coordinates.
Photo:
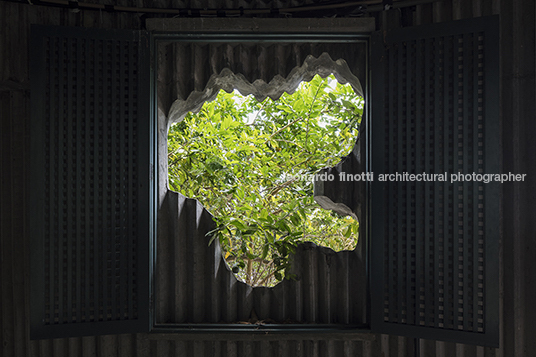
(245, 160)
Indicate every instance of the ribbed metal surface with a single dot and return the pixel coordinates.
(89, 181)
(186, 68)
(518, 265)
(330, 287)
(191, 273)
(437, 241)
(218, 4)
(232, 4)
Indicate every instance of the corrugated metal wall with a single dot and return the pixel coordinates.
(518, 266)
(330, 287)
(186, 69)
(194, 285)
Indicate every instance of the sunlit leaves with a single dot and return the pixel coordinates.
(244, 160)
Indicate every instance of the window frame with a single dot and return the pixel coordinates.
(215, 32)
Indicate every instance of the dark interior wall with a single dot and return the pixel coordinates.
(519, 224)
(518, 266)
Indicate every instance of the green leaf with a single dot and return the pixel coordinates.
(238, 171)
(238, 224)
(226, 123)
(265, 250)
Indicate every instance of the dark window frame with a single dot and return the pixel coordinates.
(291, 35)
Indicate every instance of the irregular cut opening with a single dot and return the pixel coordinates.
(252, 165)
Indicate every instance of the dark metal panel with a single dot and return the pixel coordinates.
(12, 321)
(452, 237)
(193, 63)
(448, 162)
(463, 305)
(492, 207)
(427, 301)
(381, 68)
(117, 174)
(281, 25)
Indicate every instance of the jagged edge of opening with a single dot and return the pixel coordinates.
(324, 65)
(227, 80)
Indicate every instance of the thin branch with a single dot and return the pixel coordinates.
(283, 128)
(266, 278)
(259, 274)
(258, 111)
(309, 116)
(232, 258)
(248, 271)
(275, 190)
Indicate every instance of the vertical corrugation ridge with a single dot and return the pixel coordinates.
(7, 212)
(519, 100)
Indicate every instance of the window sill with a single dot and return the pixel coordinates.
(255, 332)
